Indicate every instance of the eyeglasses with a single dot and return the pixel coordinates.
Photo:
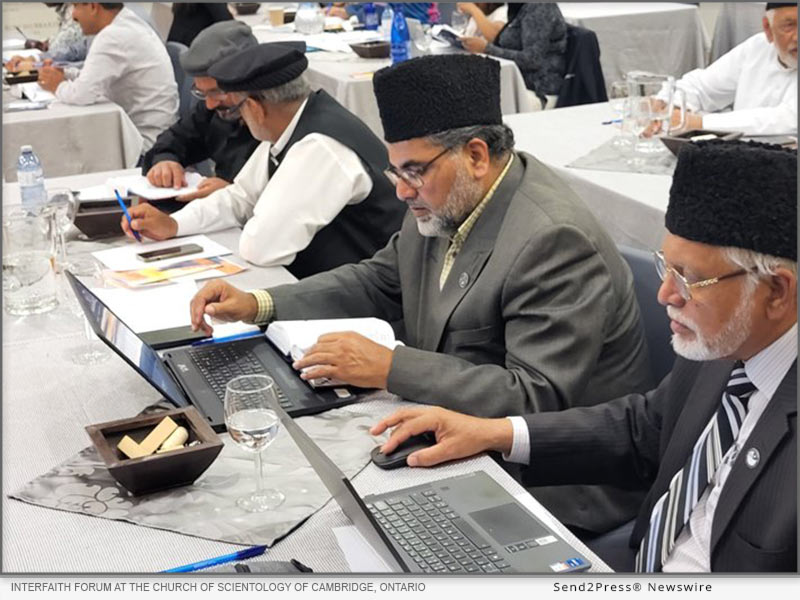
(412, 176)
(230, 112)
(201, 95)
(683, 285)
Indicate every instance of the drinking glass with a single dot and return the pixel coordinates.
(91, 351)
(459, 21)
(422, 39)
(253, 424)
(60, 208)
(621, 110)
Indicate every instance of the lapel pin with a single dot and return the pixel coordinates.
(752, 458)
(463, 280)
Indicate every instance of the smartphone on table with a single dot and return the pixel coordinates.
(171, 252)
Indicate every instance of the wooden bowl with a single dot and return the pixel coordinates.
(246, 8)
(378, 49)
(676, 142)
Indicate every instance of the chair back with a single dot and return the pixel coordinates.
(654, 318)
(187, 101)
(583, 80)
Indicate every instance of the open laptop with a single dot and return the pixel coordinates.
(459, 525)
(197, 375)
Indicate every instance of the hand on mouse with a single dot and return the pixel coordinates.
(457, 435)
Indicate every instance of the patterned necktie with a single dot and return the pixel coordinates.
(671, 512)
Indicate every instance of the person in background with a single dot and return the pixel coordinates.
(412, 10)
(758, 79)
(67, 45)
(210, 130)
(716, 441)
(509, 295)
(535, 38)
(486, 19)
(127, 64)
(313, 195)
(190, 18)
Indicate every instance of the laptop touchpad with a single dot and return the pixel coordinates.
(508, 523)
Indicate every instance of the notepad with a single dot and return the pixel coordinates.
(140, 186)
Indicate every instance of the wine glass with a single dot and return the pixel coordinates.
(423, 39)
(253, 424)
(60, 208)
(459, 21)
(619, 102)
(91, 351)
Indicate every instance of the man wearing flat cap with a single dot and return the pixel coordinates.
(716, 441)
(508, 294)
(208, 131)
(757, 80)
(313, 195)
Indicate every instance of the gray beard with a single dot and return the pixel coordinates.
(464, 196)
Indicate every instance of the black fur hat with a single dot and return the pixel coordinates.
(740, 194)
(431, 94)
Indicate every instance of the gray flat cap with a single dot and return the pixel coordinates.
(215, 43)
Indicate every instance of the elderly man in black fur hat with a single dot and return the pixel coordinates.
(508, 294)
(717, 440)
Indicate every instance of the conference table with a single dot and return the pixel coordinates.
(661, 37)
(47, 401)
(71, 140)
(630, 206)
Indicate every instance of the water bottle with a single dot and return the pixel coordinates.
(386, 22)
(370, 17)
(31, 181)
(401, 41)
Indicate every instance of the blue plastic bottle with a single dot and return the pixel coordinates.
(401, 40)
(370, 17)
(31, 180)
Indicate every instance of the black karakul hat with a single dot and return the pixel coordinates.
(771, 5)
(740, 194)
(431, 94)
(260, 67)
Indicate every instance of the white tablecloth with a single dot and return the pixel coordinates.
(47, 400)
(70, 140)
(630, 206)
(348, 78)
(660, 37)
(736, 22)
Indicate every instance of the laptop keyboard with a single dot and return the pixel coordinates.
(435, 536)
(219, 364)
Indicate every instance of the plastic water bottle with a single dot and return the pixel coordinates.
(370, 17)
(31, 180)
(386, 23)
(401, 41)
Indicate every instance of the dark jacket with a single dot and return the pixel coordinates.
(646, 438)
(201, 135)
(192, 17)
(583, 82)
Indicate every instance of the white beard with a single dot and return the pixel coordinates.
(730, 339)
(463, 197)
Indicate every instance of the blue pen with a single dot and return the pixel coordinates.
(228, 338)
(611, 122)
(127, 216)
(219, 560)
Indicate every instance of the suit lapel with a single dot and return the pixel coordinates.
(468, 263)
(771, 428)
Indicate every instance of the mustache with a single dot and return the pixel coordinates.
(674, 314)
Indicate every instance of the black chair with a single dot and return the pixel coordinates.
(187, 101)
(654, 317)
(583, 81)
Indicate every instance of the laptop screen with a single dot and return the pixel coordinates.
(120, 338)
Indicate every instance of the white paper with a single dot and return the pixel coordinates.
(222, 330)
(360, 556)
(150, 309)
(294, 336)
(33, 91)
(139, 185)
(12, 44)
(96, 193)
(123, 258)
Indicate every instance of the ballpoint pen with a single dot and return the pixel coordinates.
(228, 338)
(22, 33)
(127, 216)
(219, 560)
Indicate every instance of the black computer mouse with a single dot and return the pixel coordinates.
(398, 458)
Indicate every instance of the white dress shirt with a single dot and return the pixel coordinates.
(692, 551)
(317, 178)
(128, 64)
(766, 370)
(498, 15)
(751, 79)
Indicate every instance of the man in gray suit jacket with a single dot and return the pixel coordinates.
(509, 295)
(717, 440)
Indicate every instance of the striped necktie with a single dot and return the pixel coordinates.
(671, 512)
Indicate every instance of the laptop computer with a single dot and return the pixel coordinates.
(197, 375)
(459, 525)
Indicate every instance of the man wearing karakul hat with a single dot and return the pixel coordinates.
(312, 196)
(717, 440)
(508, 294)
(211, 129)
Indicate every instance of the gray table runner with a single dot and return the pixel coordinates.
(208, 508)
(608, 157)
